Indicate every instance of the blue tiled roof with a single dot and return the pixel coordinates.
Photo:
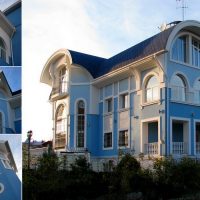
(99, 66)
(89, 62)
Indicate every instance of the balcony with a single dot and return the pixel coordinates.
(60, 91)
(179, 148)
(198, 148)
(151, 148)
(180, 94)
(60, 141)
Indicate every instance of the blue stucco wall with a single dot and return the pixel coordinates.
(15, 18)
(18, 126)
(12, 185)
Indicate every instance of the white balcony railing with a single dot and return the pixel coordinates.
(182, 95)
(62, 89)
(152, 94)
(151, 148)
(179, 148)
(198, 148)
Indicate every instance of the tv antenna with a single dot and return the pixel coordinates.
(183, 7)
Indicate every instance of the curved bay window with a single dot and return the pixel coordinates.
(2, 50)
(63, 80)
(60, 137)
(151, 89)
(178, 88)
(80, 129)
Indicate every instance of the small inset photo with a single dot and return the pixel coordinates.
(10, 33)
(10, 167)
(10, 100)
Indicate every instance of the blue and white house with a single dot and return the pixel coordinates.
(10, 108)
(10, 35)
(10, 185)
(145, 99)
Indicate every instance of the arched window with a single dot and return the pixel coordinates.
(2, 49)
(60, 134)
(151, 89)
(63, 80)
(178, 88)
(197, 92)
(60, 120)
(1, 123)
(180, 49)
(80, 134)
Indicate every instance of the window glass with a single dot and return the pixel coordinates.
(108, 105)
(60, 120)
(124, 101)
(80, 124)
(63, 80)
(178, 88)
(107, 140)
(195, 52)
(123, 138)
(179, 49)
(152, 91)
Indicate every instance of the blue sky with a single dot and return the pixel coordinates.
(6, 3)
(13, 76)
(102, 28)
(16, 148)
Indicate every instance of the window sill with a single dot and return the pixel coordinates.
(107, 148)
(108, 113)
(150, 103)
(123, 109)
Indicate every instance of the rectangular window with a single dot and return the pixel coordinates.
(108, 105)
(107, 140)
(180, 49)
(123, 138)
(196, 53)
(124, 101)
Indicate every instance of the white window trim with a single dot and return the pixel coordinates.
(123, 147)
(75, 122)
(189, 133)
(107, 148)
(153, 119)
(143, 95)
(190, 36)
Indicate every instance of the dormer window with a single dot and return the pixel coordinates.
(63, 80)
(2, 50)
(180, 49)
